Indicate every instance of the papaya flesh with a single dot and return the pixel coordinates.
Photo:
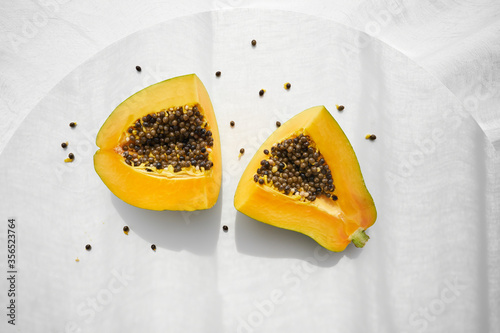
(306, 177)
(160, 148)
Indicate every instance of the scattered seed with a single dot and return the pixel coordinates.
(266, 151)
(72, 124)
(64, 144)
(370, 137)
(153, 247)
(71, 156)
(225, 228)
(242, 150)
(138, 68)
(254, 42)
(88, 247)
(231, 123)
(217, 73)
(278, 124)
(261, 92)
(287, 85)
(334, 197)
(77, 260)
(340, 107)
(126, 229)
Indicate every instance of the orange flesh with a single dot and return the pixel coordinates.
(164, 190)
(330, 223)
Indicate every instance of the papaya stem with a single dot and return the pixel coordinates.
(359, 238)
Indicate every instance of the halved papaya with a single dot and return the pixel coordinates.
(306, 177)
(160, 148)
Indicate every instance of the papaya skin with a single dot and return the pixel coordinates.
(167, 190)
(333, 224)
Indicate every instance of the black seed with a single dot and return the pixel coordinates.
(138, 68)
(266, 151)
(71, 156)
(153, 247)
(64, 144)
(225, 228)
(261, 92)
(373, 137)
(242, 150)
(288, 85)
(149, 170)
(126, 229)
(217, 73)
(278, 124)
(72, 124)
(261, 181)
(340, 107)
(88, 247)
(254, 42)
(334, 197)
(231, 123)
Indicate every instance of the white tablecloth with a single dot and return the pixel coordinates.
(452, 54)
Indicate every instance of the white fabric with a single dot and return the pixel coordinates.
(432, 263)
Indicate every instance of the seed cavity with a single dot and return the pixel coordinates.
(174, 139)
(296, 167)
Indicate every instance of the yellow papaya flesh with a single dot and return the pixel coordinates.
(306, 177)
(160, 148)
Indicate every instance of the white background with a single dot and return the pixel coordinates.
(434, 242)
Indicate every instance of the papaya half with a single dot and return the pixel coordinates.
(306, 177)
(160, 148)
